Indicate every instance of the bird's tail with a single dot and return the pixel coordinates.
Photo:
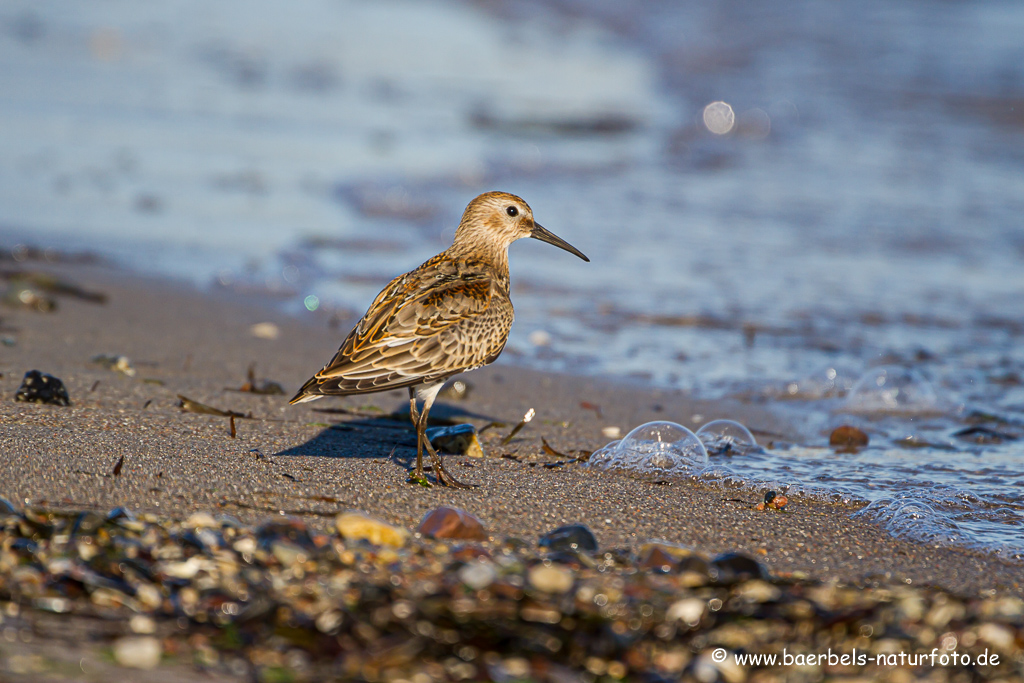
(310, 391)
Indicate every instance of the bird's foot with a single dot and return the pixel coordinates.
(446, 478)
(419, 479)
(443, 475)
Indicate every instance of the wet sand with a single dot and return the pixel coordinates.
(295, 460)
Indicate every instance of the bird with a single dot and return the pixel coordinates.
(450, 315)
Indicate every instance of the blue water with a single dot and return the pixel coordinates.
(864, 209)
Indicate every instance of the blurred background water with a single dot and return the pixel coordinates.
(777, 198)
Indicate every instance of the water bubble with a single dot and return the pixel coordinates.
(906, 516)
(726, 437)
(721, 476)
(828, 381)
(893, 390)
(654, 451)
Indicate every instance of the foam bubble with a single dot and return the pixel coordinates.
(893, 390)
(727, 437)
(655, 451)
(912, 517)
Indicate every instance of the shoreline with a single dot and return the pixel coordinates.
(316, 464)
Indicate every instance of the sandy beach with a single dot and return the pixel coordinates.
(315, 464)
(126, 441)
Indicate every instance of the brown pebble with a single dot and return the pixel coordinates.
(848, 437)
(448, 522)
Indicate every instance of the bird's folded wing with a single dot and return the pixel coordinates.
(409, 334)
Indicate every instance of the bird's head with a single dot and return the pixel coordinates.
(497, 219)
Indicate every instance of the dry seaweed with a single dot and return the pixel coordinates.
(190, 406)
(522, 423)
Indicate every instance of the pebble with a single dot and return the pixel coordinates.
(736, 567)
(138, 652)
(998, 636)
(552, 578)
(667, 557)
(574, 538)
(283, 597)
(758, 591)
(847, 437)
(688, 611)
(201, 520)
(142, 624)
(478, 574)
(356, 526)
(37, 387)
(457, 439)
(452, 523)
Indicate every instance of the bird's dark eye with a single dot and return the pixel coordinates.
(512, 211)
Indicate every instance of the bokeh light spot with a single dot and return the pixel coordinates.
(719, 118)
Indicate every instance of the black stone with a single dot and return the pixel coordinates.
(572, 538)
(120, 513)
(736, 567)
(41, 388)
(87, 523)
(289, 529)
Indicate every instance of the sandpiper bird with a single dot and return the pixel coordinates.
(450, 315)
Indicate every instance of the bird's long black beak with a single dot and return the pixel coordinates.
(541, 233)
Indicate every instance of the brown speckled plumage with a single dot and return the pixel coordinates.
(449, 315)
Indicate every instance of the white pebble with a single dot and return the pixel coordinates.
(687, 611)
(551, 578)
(142, 624)
(138, 652)
(478, 575)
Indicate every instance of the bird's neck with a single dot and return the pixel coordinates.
(483, 254)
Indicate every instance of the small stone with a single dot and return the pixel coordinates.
(288, 554)
(184, 570)
(551, 578)
(38, 387)
(456, 439)
(87, 523)
(666, 557)
(572, 538)
(142, 624)
(149, 596)
(688, 611)
(329, 621)
(736, 567)
(452, 523)
(478, 574)
(138, 652)
(847, 437)
(356, 526)
(758, 591)
(997, 636)
(201, 520)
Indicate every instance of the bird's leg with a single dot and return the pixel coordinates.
(415, 415)
(443, 475)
